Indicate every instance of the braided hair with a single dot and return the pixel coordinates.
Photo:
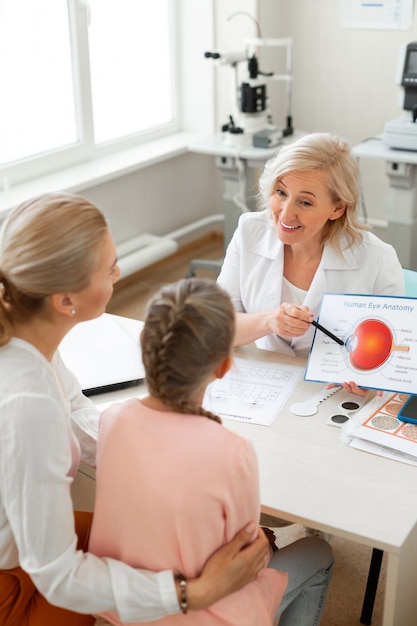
(189, 329)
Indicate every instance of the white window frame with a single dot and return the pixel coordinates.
(196, 102)
(86, 150)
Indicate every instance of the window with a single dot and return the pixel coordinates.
(81, 79)
(132, 75)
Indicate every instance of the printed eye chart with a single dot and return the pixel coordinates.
(381, 432)
(252, 391)
(380, 342)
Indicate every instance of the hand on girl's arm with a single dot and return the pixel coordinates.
(230, 568)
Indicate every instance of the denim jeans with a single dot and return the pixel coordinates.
(308, 563)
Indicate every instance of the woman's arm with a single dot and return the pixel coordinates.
(84, 413)
(288, 320)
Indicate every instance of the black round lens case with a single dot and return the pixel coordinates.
(349, 405)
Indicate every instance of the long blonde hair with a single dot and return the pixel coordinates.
(330, 155)
(189, 329)
(48, 245)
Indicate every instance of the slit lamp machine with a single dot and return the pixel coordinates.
(250, 121)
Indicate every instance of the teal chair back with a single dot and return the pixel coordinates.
(410, 277)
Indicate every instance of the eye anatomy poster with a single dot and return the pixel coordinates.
(379, 335)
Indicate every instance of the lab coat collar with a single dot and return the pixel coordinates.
(330, 260)
(269, 246)
(333, 260)
(272, 248)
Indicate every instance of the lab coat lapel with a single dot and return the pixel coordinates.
(271, 248)
(327, 278)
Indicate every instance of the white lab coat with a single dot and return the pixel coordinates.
(253, 269)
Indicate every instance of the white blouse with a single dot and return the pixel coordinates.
(46, 424)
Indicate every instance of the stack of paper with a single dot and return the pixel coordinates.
(377, 429)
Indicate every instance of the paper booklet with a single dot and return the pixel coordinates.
(252, 391)
(379, 334)
(377, 429)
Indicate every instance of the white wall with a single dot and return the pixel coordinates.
(177, 192)
(344, 78)
(344, 82)
(161, 198)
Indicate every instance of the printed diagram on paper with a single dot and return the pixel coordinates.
(380, 342)
(384, 433)
(385, 14)
(252, 391)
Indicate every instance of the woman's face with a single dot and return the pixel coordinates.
(91, 301)
(301, 206)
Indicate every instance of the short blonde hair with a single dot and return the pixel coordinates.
(189, 329)
(48, 245)
(330, 155)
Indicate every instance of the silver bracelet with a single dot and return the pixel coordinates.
(183, 593)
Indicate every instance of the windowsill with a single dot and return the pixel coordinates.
(92, 173)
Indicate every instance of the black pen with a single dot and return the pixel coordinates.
(328, 333)
(325, 331)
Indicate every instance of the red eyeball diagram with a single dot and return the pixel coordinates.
(370, 344)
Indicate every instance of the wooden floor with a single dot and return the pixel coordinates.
(343, 607)
(131, 295)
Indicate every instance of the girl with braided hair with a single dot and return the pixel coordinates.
(173, 485)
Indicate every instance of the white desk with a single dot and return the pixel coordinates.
(308, 475)
(401, 202)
